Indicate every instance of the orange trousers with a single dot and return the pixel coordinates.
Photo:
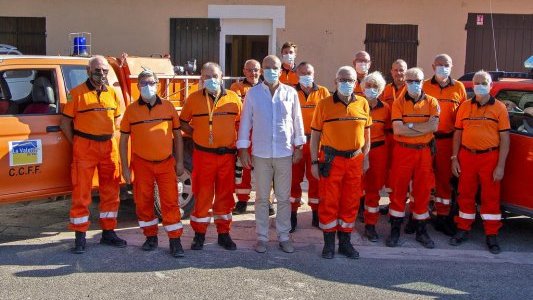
(443, 174)
(164, 174)
(213, 182)
(243, 189)
(411, 164)
(478, 169)
(374, 179)
(299, 170)
(389, 141)
(340, 193)
(87, 156)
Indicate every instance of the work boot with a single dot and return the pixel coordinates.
(198, 241)
(422, 235)
(314, 218)
(225, 241)
(410, 227)
(492, 243)
(294, 221)
(329, 245)
(444, 225)
(150, 244)
(271, 210)
(370, 233)
(176, 250)
(79, 243)
(345, 245)
(394, 237)
(459, 238)
(109, 237)
(240, 208)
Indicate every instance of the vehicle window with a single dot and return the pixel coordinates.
(519, 123)
(28, 91)
(519, 98)
(74, 76)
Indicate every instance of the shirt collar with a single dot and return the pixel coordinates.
(378, 105)
(337, 99)
(449, 82)
(408, 97)
(314, 87)
(286, 69)
(142, 102)
(245, 81)
(91, 87)
(222, 93)
(491, 101)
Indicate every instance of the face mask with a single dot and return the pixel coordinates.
(361, 67)
(98, 78)
(212, 84)
(414, 88)
(271, 76)
(148, 91)
(481, 90)
(443, 72)
(371, 93)
(306, 80)
(345, 88)
(288, 58)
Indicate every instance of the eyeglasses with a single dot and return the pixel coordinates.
(145, 83)
(101, 71)
(253, 70)
(413, 80)
(348, 80)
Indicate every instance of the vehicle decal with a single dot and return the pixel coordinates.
(29, 152)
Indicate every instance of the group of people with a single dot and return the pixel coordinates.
(411, 135)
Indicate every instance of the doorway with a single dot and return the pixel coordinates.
(240, 48)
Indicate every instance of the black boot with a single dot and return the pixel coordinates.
(224, 240)
(150, 244)
(314, 219)
(198, 241)
(444, 225)
(410, 227)
(79, 243)
(422, 235)
(370, 233)
(176, 250)
(294, 221)
(271, 210)
(345, 245)
(329, 245)
(492, 244)
(459, 238)
(240, 208)
(394, 237)
(109, 237)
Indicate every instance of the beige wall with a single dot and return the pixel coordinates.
(328, 32)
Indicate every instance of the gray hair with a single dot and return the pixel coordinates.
(443, 57)
(416, 72)
(483, 73)
(251, 61)
(346, 69)
(147, 73)
(96, 58)
(400, 61)
(274, 58)
(377, 78)
(209, 65)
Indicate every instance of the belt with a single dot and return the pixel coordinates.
(443, 135)
(99, 138)
(345, 154)
(219, 151)
(480, 151)
(414, 146)
(377, 144)
(154, 161)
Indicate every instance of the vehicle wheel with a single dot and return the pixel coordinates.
(185, 196)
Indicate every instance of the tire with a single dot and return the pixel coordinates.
(185, 196)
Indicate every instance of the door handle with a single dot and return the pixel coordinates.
(53, 129)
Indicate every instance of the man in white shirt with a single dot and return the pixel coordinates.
(272, 110)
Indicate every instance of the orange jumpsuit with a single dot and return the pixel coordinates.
(342, 130)
(288, 77)
(450, 97)
(478, 157)
(149, 126)
(214, 136)
(94, 113)
(308, 103)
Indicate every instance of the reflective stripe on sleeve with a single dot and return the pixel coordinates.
(223, 217)
(397, 214)
(200, 220)
(149, 223)
(346, 224)
(79, 220)
(443, 201)
(466, 216)
(173, 227)
(108, 214)
(491, 217)
(328, 226)
(372, 210)
(423, 216)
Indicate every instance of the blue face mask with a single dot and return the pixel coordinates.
(212, 84)
(442, 71)
(271, 75)
(148, 91)
(306, 80)
(371, 93)
(414, 88)
(346, 88)
(481, 90)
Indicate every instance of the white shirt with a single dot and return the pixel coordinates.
(276, 121)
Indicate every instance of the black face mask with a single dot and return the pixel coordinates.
(98, 78)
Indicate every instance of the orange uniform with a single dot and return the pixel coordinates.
(412, 159)
(358, 89)
(214, 136)
(450, 97)
(308, 104)
(149, 126)
(389, 95)
(288, 77)
(342, 130)
(481, 126)
(94, 113)
(376, 175)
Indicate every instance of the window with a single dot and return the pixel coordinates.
(522, 99)
(74, 76)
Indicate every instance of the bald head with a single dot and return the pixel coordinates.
(271, 61)
(252, 71)
(362, 63)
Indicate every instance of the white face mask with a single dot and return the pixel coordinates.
(288, 58)
(362, 67)
(148, 91)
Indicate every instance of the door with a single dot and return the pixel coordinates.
(25, 33)
(240, 48)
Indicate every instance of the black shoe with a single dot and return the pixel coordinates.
(492, 243)
(410, 227)
(460, 237)
(422, 235)
(224, 240)
(394, 237)
(240, 208)
(79, 243)
(176, 250)
(109, 237)
(271, 210)
(444, 225)
(329, 245)
(370, 233)
(150, 244)
(314, 219)
(345, 245)
(384, 210)
(294, 221)
(198, 241)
